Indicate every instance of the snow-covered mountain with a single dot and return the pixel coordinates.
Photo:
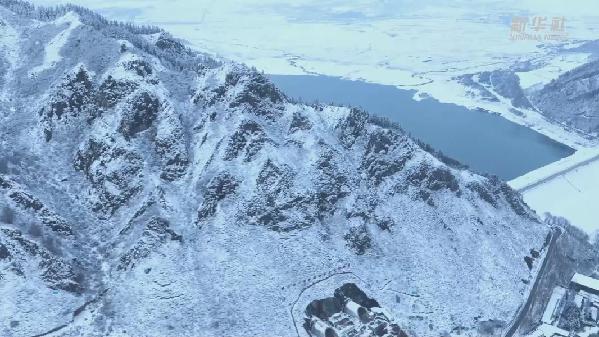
(573, 98)
(150, 190)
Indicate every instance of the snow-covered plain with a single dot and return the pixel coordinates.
(567, 188)
(553, 170)
(551, 69)
(572, 195)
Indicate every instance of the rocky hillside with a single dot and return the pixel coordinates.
(496, 84)
(573, 98)
(148, 189)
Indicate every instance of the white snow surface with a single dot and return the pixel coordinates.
(585, 281)
(572, 195)
(546, 330)
(568, 188)
(539, 176)
(8, 50)
(551, 70)
(52, 54)
(556, 296)
(159, 205)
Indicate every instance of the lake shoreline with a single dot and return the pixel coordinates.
(495, 146)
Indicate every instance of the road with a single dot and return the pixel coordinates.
(517, 320)
(558, 174)
(533, 292)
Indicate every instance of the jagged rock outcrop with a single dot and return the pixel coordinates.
(196, 199)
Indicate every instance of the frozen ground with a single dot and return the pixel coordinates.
(549, 172)
(551, 69)
(52, 52)
(568, 188)
(548, 330)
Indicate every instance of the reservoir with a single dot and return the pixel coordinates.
(486, 142)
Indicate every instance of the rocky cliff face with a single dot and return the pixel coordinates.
(147, 189)
(573, 98)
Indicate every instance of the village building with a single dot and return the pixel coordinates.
(322, 329)
(552, 310)
(354, 309)
(584, 283)
(583, 292)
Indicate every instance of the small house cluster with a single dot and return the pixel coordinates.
(572, 311)
(350, 313)
(355, 321)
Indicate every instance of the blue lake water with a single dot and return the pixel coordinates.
(486, 142)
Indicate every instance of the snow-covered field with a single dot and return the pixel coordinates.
(551, 69)
(567, 188)
(544, 174)
(572, 195)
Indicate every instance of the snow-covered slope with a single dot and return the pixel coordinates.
(573, 98)
(146, 189)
